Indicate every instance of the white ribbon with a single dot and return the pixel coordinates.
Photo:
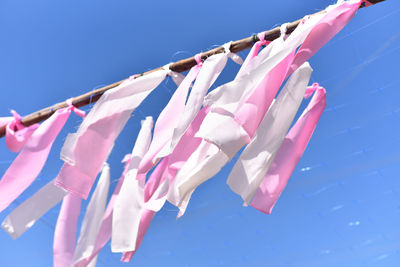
(25, 215)
(130, 200)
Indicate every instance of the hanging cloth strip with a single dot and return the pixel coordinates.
(162, 176)
(253, 163)
(210, 70)
(31, 210)
(336, 18)
(85, 151)
(93, 217)
(65, 232)
(105, 231)
(30, 161)
(290, 152)
(130, 200)
(169, 118)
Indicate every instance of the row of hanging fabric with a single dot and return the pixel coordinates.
(182, 151)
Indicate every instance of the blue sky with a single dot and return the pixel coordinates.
(342, 204)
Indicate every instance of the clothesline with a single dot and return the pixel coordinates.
(179, 66)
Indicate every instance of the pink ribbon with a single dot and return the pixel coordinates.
(30, 161)
(290, 152)
(169, 118)
(16, 139)
(85, 151)
(328, 26)
(65, 232)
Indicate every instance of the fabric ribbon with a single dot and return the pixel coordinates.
(209, 72)
(290, 152)
(130, 200)
(30, 161)
(168, 120)
(93, 217)
(85, 151)
(104, 234)
(31, 210)
(336, 17)
(64, 234)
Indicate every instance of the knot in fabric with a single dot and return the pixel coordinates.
(76, 110)
(197, 57)
(311, 89)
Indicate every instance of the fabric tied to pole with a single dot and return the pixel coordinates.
(168, 120)
(290, 152)
(336, 17)
(211, 69)
(30, 161)
(85, 151)
(16, 139)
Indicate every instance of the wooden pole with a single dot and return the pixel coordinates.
(179, 66)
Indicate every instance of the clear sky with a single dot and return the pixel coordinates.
(342, 204)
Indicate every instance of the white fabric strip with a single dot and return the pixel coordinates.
(25, 215)
(93, 217)
(253, 163)
(203, 164)
(130, 200)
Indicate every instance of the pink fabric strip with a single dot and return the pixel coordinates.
(15, 140)
(251, 113)
(328, 26)
(30, 161)
(169, 119)
(65, 232)
(290, 152)
(85, 151)
(105, 229)
(253, 52)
